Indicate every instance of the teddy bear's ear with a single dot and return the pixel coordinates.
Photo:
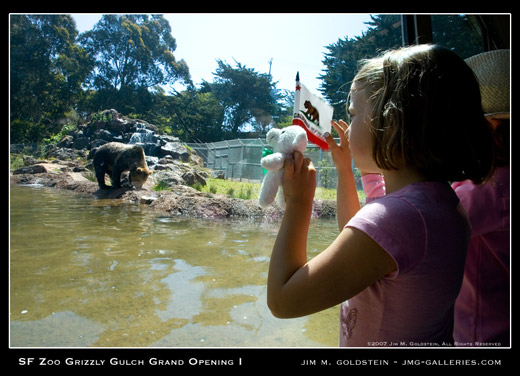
(300, 138)
(272, 134)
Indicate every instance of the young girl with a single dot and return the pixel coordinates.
(398, 262)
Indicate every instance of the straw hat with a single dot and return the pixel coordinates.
(492, 71)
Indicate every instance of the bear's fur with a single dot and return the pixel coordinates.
(114, 158)
(312, 112)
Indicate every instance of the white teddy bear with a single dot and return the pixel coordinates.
(284, 142)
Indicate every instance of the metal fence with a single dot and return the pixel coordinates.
(239, 159)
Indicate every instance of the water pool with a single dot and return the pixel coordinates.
(100, 273)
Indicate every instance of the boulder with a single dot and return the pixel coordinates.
(35, 169)
(176, 150)
(193, 177)
(81, 143)
(167, 177)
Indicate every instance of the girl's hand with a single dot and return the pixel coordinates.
(340, 153)
(299, 180)
(347, 202)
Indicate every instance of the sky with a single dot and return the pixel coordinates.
(283, 43)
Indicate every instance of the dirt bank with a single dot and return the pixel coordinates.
(179, 200)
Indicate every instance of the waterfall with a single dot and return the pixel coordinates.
(145, 138)
(141, 135)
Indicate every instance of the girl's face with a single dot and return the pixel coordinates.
(359, 132)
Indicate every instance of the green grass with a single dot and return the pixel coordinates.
(236, 189)
(250, 191)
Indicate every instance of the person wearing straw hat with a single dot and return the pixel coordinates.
(482, 309)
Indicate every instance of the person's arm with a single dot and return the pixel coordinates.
(373, 185)
(347, 202)
(351, 263)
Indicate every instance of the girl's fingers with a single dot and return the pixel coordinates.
(331, 142)
(298, 163)
(298, 159)
(340, 127)
(288, 166)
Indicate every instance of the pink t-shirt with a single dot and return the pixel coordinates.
(424, 228)
(482, 310)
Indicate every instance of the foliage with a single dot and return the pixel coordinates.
(195, 116)
(15, 161)
(246, 191)
(455, 32)
(246, 95)
(133, 55)
(326, 175)
(65, 130)
(161, 186)
(46, 71)
(341, 59)
(250, 191)
(133, 51)
(125, 62)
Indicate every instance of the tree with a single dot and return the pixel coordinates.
(457, 33)
(451, 31)
(47, 69)
(132, 53)
(196, 116)
(341, 61)
(246, 96)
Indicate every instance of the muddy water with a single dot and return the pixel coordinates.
(86, 272)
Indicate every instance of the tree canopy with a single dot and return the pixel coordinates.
(47, 69)
(245, 94)
(133, 51)
(126, 62)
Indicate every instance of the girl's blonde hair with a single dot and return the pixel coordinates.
(427, 114)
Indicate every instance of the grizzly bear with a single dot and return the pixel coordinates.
(312, 112)
(114, 158)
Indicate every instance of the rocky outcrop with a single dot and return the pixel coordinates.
(168, 190)
(178, 200)
(172, 162)
(110, 126)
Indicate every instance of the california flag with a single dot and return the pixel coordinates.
(312, 113)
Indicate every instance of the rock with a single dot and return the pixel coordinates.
(35, 169)
(66, 142)
(168, 178)
(163, 139)
(95, 144)
(65, 153)
(179, 200)
(29, 160)
(193, 177)
(196, 160)
(104, 134)
(111, 126)
(176, 150)
(151, 161)
(324, 209)
(81, 142)
(147, 200)
(218, 174)
(162, 167)
(167, 159)
(173, 164)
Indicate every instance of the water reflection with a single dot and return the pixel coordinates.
(87, 272)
